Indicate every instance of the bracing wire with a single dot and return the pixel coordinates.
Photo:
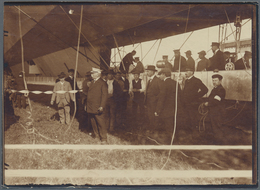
(149, 50)
(76, 69)
(157, 50)
(119, 52)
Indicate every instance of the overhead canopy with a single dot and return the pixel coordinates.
(51, 28)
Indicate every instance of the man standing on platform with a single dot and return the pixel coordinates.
(216, 107)
(244, 62)
(152, 95)
(63, 98)
(96, 102)
(177, 61)
(167, 63)
(217, 61)
(127, 61)
(203, 64)
(190, 60)
(138, 66)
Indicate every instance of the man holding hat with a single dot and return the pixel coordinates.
(216, 108)
(165, 108)
(96, 102)
(63, 98)
(152, 95)
(217, 61)
(177, 61)
(244, 62)
(138, 67)
(193, 90)
(190, 60)
(203, 64)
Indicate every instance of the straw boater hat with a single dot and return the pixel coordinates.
(151, 68)
(95, 70)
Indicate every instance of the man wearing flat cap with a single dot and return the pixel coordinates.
(190, 60)
(203, 64)
(177, 61)
(96, 102)
(165, 107)
(217, 61)
(152, 95)
(244, 62)
(63, 98)
(193, 91)
(216, 108)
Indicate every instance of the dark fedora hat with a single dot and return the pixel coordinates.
(215, 44)
(62, 75)
(189, 69)
(151, 68)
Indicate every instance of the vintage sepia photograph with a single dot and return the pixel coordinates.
(129, 94)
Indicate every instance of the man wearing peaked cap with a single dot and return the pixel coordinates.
(190, 60)
(63, 99)
(244, 62)
(216, 107)
(217, 61)
(183, 63)
(203, 64)
(151, 96)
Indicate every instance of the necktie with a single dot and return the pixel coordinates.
(149, 81)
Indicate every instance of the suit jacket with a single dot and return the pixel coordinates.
(166, 102)
(176, 64)
(193, 90)
(127, 60)
(152, 92)
(139, 67)
(240, 65)
(217, 61)
(216, 100)
(97, 96)
(117, 92)
(191, 63)
(58, 87)
(71, 81)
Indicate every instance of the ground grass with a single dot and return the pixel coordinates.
(50, 131)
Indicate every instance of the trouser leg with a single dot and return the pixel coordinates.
(101, 125)
(61, 112)
(94, 124)
(67, 113)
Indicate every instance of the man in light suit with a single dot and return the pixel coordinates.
(63, 99)
(152, 95)
(96, 102)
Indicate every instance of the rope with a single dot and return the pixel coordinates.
(84, 37)
(236, 115)
(204, 112)
(149, 50)
(76, 69)
(119, 52)
(157, 50)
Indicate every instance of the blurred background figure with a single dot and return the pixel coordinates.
(203, 63)
(127, 61)
(244, 62)
(190, 60)
(167, 63)
(183, 62)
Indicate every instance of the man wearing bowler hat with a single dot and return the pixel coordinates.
(244, 62)
(193, 90)
(190, 60)
(63, 98)
(177, 61)
(217, 61)
(165, 108)
(216, 108)
(152, 95)
(203, 64)
(96, 102)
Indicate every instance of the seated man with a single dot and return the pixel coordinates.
(63, 98)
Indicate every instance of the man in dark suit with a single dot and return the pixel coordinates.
(193, 90)
(167, 63)
(244, 62)
(176, 63)
(217, 61)
(113, 101)
(165, 108)
(70, 79)
(152, 95)
(96, 102)
(127, 61)
(139, 67)
(190, 60)
(63, 99)
(216, 107)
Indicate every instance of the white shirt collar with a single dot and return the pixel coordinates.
(71, 77)
(167, 78)
(151, 78)
(190, 77)
(96, 79)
